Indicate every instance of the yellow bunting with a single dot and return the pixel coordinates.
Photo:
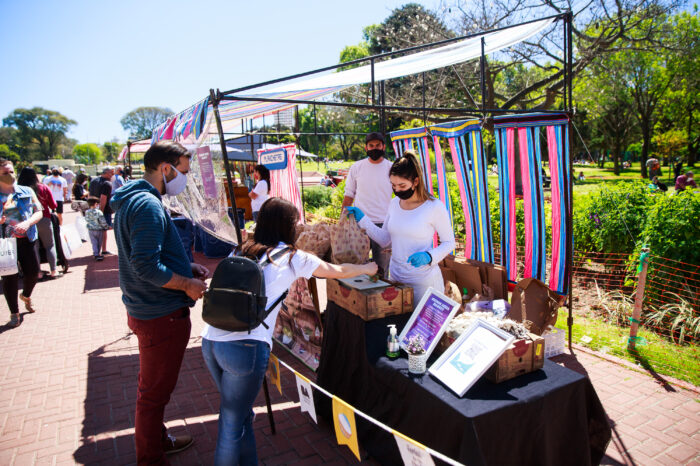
(344, 421)
(273, 371)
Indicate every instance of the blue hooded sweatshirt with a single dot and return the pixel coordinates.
(150, 251)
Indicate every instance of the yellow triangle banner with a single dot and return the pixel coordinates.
(273, 371)
(412, 452)
(344, 421)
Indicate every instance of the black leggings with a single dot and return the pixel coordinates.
(26, 257)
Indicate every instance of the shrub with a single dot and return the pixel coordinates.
(316, 197)
(333, 208)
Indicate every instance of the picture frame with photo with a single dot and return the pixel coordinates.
(470, 356)
(429, 319)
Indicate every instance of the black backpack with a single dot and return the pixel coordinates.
(235, 300)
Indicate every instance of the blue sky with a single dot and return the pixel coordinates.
(94, 61)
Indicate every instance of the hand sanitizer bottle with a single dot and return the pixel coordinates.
(392, 343)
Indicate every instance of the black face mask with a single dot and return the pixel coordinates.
(404, 195)
(375, 154)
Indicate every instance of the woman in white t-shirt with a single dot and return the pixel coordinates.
(260, 192)
(238, 360)
(413, 218)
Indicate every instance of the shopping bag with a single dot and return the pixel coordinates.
(70, 240)
(349, 243)
(8, 256)
(81, 226)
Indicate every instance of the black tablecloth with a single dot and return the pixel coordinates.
(548, 417)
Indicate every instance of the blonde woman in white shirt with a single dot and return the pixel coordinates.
(413, 218)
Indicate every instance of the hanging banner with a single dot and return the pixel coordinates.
(306, 397)
(412, 452)
(273, 371)
(274, 159)
(283, 180)
(206, 169)
(344, 422)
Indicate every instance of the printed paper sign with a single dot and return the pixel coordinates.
(273, 370)
(206, 167)
(429, 319)
(274, 159)
(306, 397)
(412, 453)
(344, 422)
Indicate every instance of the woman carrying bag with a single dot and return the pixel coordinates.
(20, 211)
(413, 218)
(238, 360)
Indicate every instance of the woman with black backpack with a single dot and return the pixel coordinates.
(238, 360)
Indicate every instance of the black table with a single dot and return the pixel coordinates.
(548, 417)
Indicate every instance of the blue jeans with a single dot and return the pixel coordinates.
(238, 368)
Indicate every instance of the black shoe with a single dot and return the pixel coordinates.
(99, 258)
(107, 253)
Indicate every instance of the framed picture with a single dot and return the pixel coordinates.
(429, 319)
(470, 356)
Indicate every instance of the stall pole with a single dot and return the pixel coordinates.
(638, 299)
(128, 155)
(382, 100)
(482, 72)
(570, 244)
(425, 113)
(215, 98)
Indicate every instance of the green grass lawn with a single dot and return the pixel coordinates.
(657, 355)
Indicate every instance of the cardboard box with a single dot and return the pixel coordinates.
(535, 305)
(522, 356)
(371, 304)
(472, 275)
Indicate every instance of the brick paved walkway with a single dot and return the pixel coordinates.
(68, 384)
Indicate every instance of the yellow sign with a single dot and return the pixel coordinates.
(273, 371)
(344, 421)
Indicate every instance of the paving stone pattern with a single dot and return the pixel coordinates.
(68, 386)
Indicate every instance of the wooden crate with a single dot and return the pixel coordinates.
(371, 304)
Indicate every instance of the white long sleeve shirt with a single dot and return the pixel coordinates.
(411, 231)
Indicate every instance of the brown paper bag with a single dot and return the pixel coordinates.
(349, 243)
(315, 239)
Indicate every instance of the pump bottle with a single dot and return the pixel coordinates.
(392, 343)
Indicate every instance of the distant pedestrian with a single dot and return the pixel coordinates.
(59, 188)
(20, 211)
(684, 181)
(69, 176)
(96, 225)
(101, 188)
(80, 193)
(118, 178)
(159, 285)
(261, 192)
(28, 177)
(657, 185)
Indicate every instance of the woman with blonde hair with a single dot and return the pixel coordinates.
(413, 218)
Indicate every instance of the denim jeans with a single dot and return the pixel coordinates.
(238, 368)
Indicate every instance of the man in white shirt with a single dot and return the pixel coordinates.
(68, 175)
(59, 189)
(369, 189)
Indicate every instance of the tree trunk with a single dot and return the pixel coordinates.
(691, 147)
(646, 142)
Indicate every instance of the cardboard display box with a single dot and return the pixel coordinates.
(522, 356)
(535, 305)
(472, 275)
(371, 304)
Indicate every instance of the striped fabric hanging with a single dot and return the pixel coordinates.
(284, 182)
(404, 139)
(466, 148)
(530, 158)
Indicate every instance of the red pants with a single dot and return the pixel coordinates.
(162, 344)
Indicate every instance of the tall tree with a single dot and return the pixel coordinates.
(111, 150)
(39, 129)
(141, 121)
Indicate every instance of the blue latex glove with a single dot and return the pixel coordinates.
(419, 259)
(356, 212)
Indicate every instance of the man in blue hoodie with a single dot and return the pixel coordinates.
(159, 285)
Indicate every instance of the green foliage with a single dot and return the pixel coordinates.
(612, 219)
(8, 154)
(39, 131)
(141, 121)
(316, 197)
(680, 317)
(333, 209)
(672, 227)
(88, 153)
(111, 150)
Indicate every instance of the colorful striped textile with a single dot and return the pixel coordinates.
(443, 187)
(405, 139)
(180, 126)
(284, 182)
(468, 156)
(528, 128)
(237, 109)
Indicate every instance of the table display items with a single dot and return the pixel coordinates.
(392, 343)
(470, 356)
(417, 357)
(429, 320)
(535, 305)
(370, 300)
